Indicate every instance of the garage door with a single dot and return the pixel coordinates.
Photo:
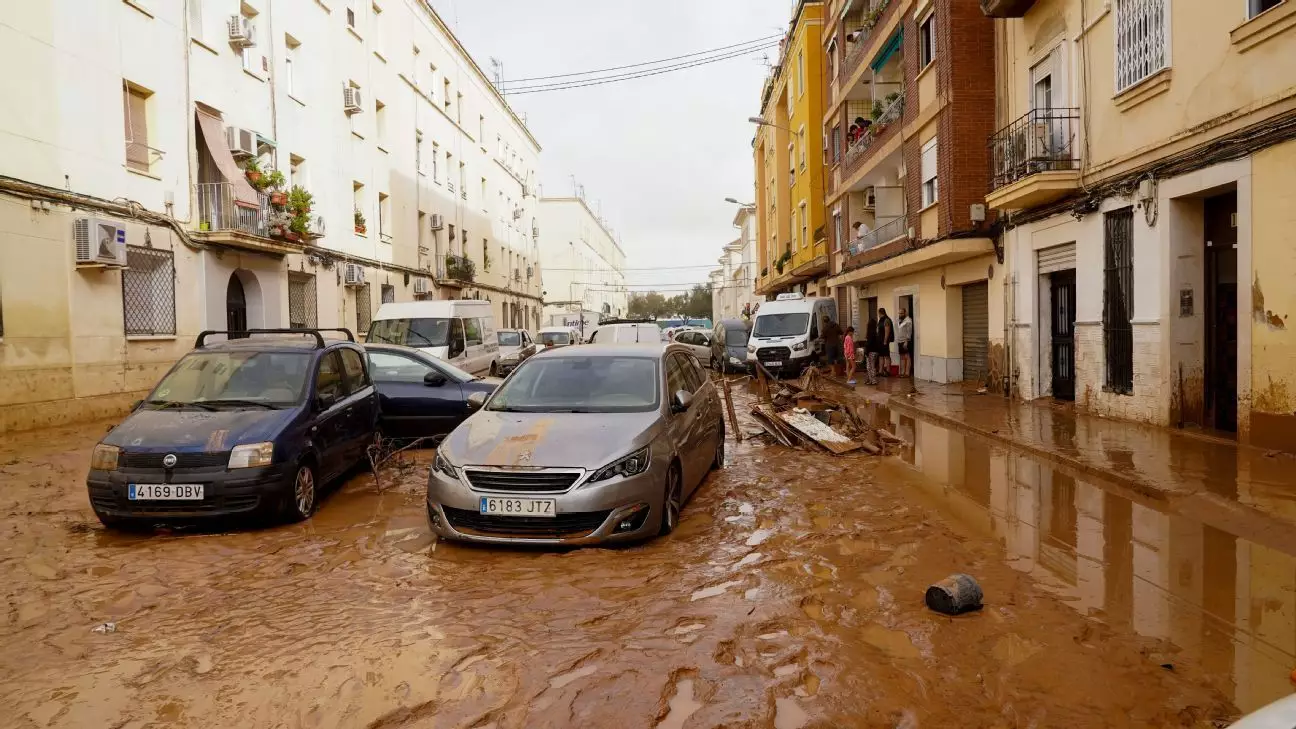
(976, 331)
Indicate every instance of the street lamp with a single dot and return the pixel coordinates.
(740, 204)
(760, 121)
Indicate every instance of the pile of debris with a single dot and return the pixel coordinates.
(802, 414)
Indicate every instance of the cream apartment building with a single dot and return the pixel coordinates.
(733, 284)
(128, 224)
(1144, 162)
(584, 263)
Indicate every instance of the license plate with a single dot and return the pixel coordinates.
(495, 506)
(165, 492)
(774, 364)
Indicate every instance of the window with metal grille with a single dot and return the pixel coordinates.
(1118, 299)
(302, 304)
(148, 292)
(836, 144)
(1142, 46)
(388, 294)
(364, 309)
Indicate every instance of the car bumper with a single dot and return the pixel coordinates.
(586, 514)
(506, 367)
(225, 493)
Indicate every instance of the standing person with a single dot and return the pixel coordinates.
(904, 340)
(870, 351)
(848, 346)
(832, 339)
(886, 335)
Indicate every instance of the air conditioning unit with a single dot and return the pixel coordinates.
(242, 142)
(354, 275)
(316, 227)
(99, 242)
(438, 221)
(351, 100)
(420, 286)
(240, 32)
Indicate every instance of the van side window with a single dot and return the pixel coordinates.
(456, 338)
(357, 378)
(472, 331)
(328, 377)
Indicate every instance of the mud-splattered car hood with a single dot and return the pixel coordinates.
(192, 430)
(555, 440)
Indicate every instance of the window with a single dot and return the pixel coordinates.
(472, 332)
(291, 51)
(1255, 7)
(384, 216)
(485, 256)
(350, 16)
(1118, 299)
(328, 378)
(364, 309)
(388, 367)
(418, 152)
(449, 161)
(375, 30)
(354, 370)
(303, 308)
(135, 103)
(483, 193)
(1141, 40)
(297, 172)
(836, 144)
(676, 379)
(801, 146)
(436, 152)
(380, 123)
(927, 40)
(481, 130)
(930, 192)
(459, 109)
(196, 20)
(801, 84)
(805, 227)
(463, 180)
(358, 201)
(389, 293)
(446, 94)
(431, 79)
(414, 70)
(148, 292)
(247, 54)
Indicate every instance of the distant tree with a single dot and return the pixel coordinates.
(651, 304)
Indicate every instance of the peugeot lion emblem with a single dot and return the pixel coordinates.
(169, 460)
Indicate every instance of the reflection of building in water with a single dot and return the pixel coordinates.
(1219, 585)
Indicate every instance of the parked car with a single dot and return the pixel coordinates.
(420, 396)
(461, 332)
(581, 445)
(515, 345)
(626, 334)
(698, 342)
(558, 337)
(729, 346)
(239, 427)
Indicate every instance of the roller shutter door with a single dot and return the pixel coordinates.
(976, 331)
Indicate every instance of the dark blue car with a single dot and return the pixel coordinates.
(248, 426)
(419, 395)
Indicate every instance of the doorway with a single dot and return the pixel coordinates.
(1220, 396)
(1062, 285)
(976, 331)
(236, 312)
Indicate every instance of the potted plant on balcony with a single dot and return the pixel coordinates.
(252, 169)
(275, 181)
(299, 207)
(359, 222)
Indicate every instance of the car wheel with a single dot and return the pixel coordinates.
(494, 370)
(301, 499)
(718, 461)
(672, 501)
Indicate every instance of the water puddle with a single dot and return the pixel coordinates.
(759, 536)
(750, 559)
(894, 643)
(788, 714)
(563, 679)
(682, 706)
(713, 590)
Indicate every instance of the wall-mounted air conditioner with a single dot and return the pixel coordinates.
(240, 32)
(354, 275)
(351, 100)
(242, 142)
(420, 286)
(316, 227)
(99, 242)
(438, 221)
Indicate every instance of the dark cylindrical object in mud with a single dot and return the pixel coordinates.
(954, 595)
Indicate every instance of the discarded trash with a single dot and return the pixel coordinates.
(1168, 666)
(955, 594)
(104, 628)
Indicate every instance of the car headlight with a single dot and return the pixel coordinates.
(104, 458)
(799, 346)
(751, 348)
(252, 455)
(631, 465)
(443, 466)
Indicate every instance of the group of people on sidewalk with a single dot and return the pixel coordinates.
(874, 349)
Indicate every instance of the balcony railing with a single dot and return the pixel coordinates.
(219, 209)
(872, 15)
(896, 227)
(877, 131)
(1041, 140)
(457, 268)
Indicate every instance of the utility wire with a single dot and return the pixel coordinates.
(766, 39)
(628, 77)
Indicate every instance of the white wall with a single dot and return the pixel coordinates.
(582, 260)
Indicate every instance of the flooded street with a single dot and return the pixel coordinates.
(790, 596)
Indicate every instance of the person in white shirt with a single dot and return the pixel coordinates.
(904, 342)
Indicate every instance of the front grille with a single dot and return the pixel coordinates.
(521, 481)
(183, 460)
(574, 524)
(773, 354)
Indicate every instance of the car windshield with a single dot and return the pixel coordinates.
(580, 384)
(736, 337)
(234, 379)
(781, 325)
(424, 332)
(510, 339)
(558, 339)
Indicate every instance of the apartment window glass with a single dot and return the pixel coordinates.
(930, 190)
(291, 51)
(1118, 299)
(196, 19)
(481, 130)
(805, 227)
(800, 82)
(384, 216)
(449, 163)
(135, 107)
(436, 151)
(927, 40)
(380, 122)
(357, 201)
(303, 308)
(1255, 7)
(483, 193)
(350, 16)
(148, 292)
(1142, 46)
(446, 92)
(247, 54)
(297, 172)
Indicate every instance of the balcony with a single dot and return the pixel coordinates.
(456, 271)
(861, 19)
(225, 220)
(896, 227)
(1034, 161)
(1006, 8)
(883, 126)
(903, 256)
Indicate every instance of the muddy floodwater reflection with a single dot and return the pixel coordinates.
(790, 596)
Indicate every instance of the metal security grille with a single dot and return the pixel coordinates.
(388, 294)
(1118, 300)
(1140, 40)
(364, 309)
(303, 306)
(976, 331)
(148, 292)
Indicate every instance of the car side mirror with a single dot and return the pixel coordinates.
(434, 379)
(476, 400)
(681, 402)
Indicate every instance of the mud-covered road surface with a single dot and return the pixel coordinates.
(791, 596)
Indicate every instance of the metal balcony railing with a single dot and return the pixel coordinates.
(1041, 140)
(218, 209)
(458, 268)
(876, 131)
(896, 227)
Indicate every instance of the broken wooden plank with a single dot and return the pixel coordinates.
(733, 419)
(770, 426)
(812, 428)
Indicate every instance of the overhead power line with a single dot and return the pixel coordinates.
(628, 77)
(764, 40)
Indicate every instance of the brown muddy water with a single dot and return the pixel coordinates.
(790, 597)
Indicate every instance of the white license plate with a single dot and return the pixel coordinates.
(774, 364)
(496, 506)
(165, 492)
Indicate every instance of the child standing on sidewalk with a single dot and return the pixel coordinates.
(849, 344)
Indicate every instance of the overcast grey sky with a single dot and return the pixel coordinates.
(658, 155)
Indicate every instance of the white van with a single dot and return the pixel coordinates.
(461, 332)
(785, 333)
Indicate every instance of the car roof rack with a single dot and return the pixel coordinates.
(319, 338)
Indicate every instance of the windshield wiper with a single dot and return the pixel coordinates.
(164, 404)
(420, 336)
(239, 403)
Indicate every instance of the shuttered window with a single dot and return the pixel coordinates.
(930, 193)
(134, 105)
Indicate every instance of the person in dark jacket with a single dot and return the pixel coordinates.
(886, 335)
